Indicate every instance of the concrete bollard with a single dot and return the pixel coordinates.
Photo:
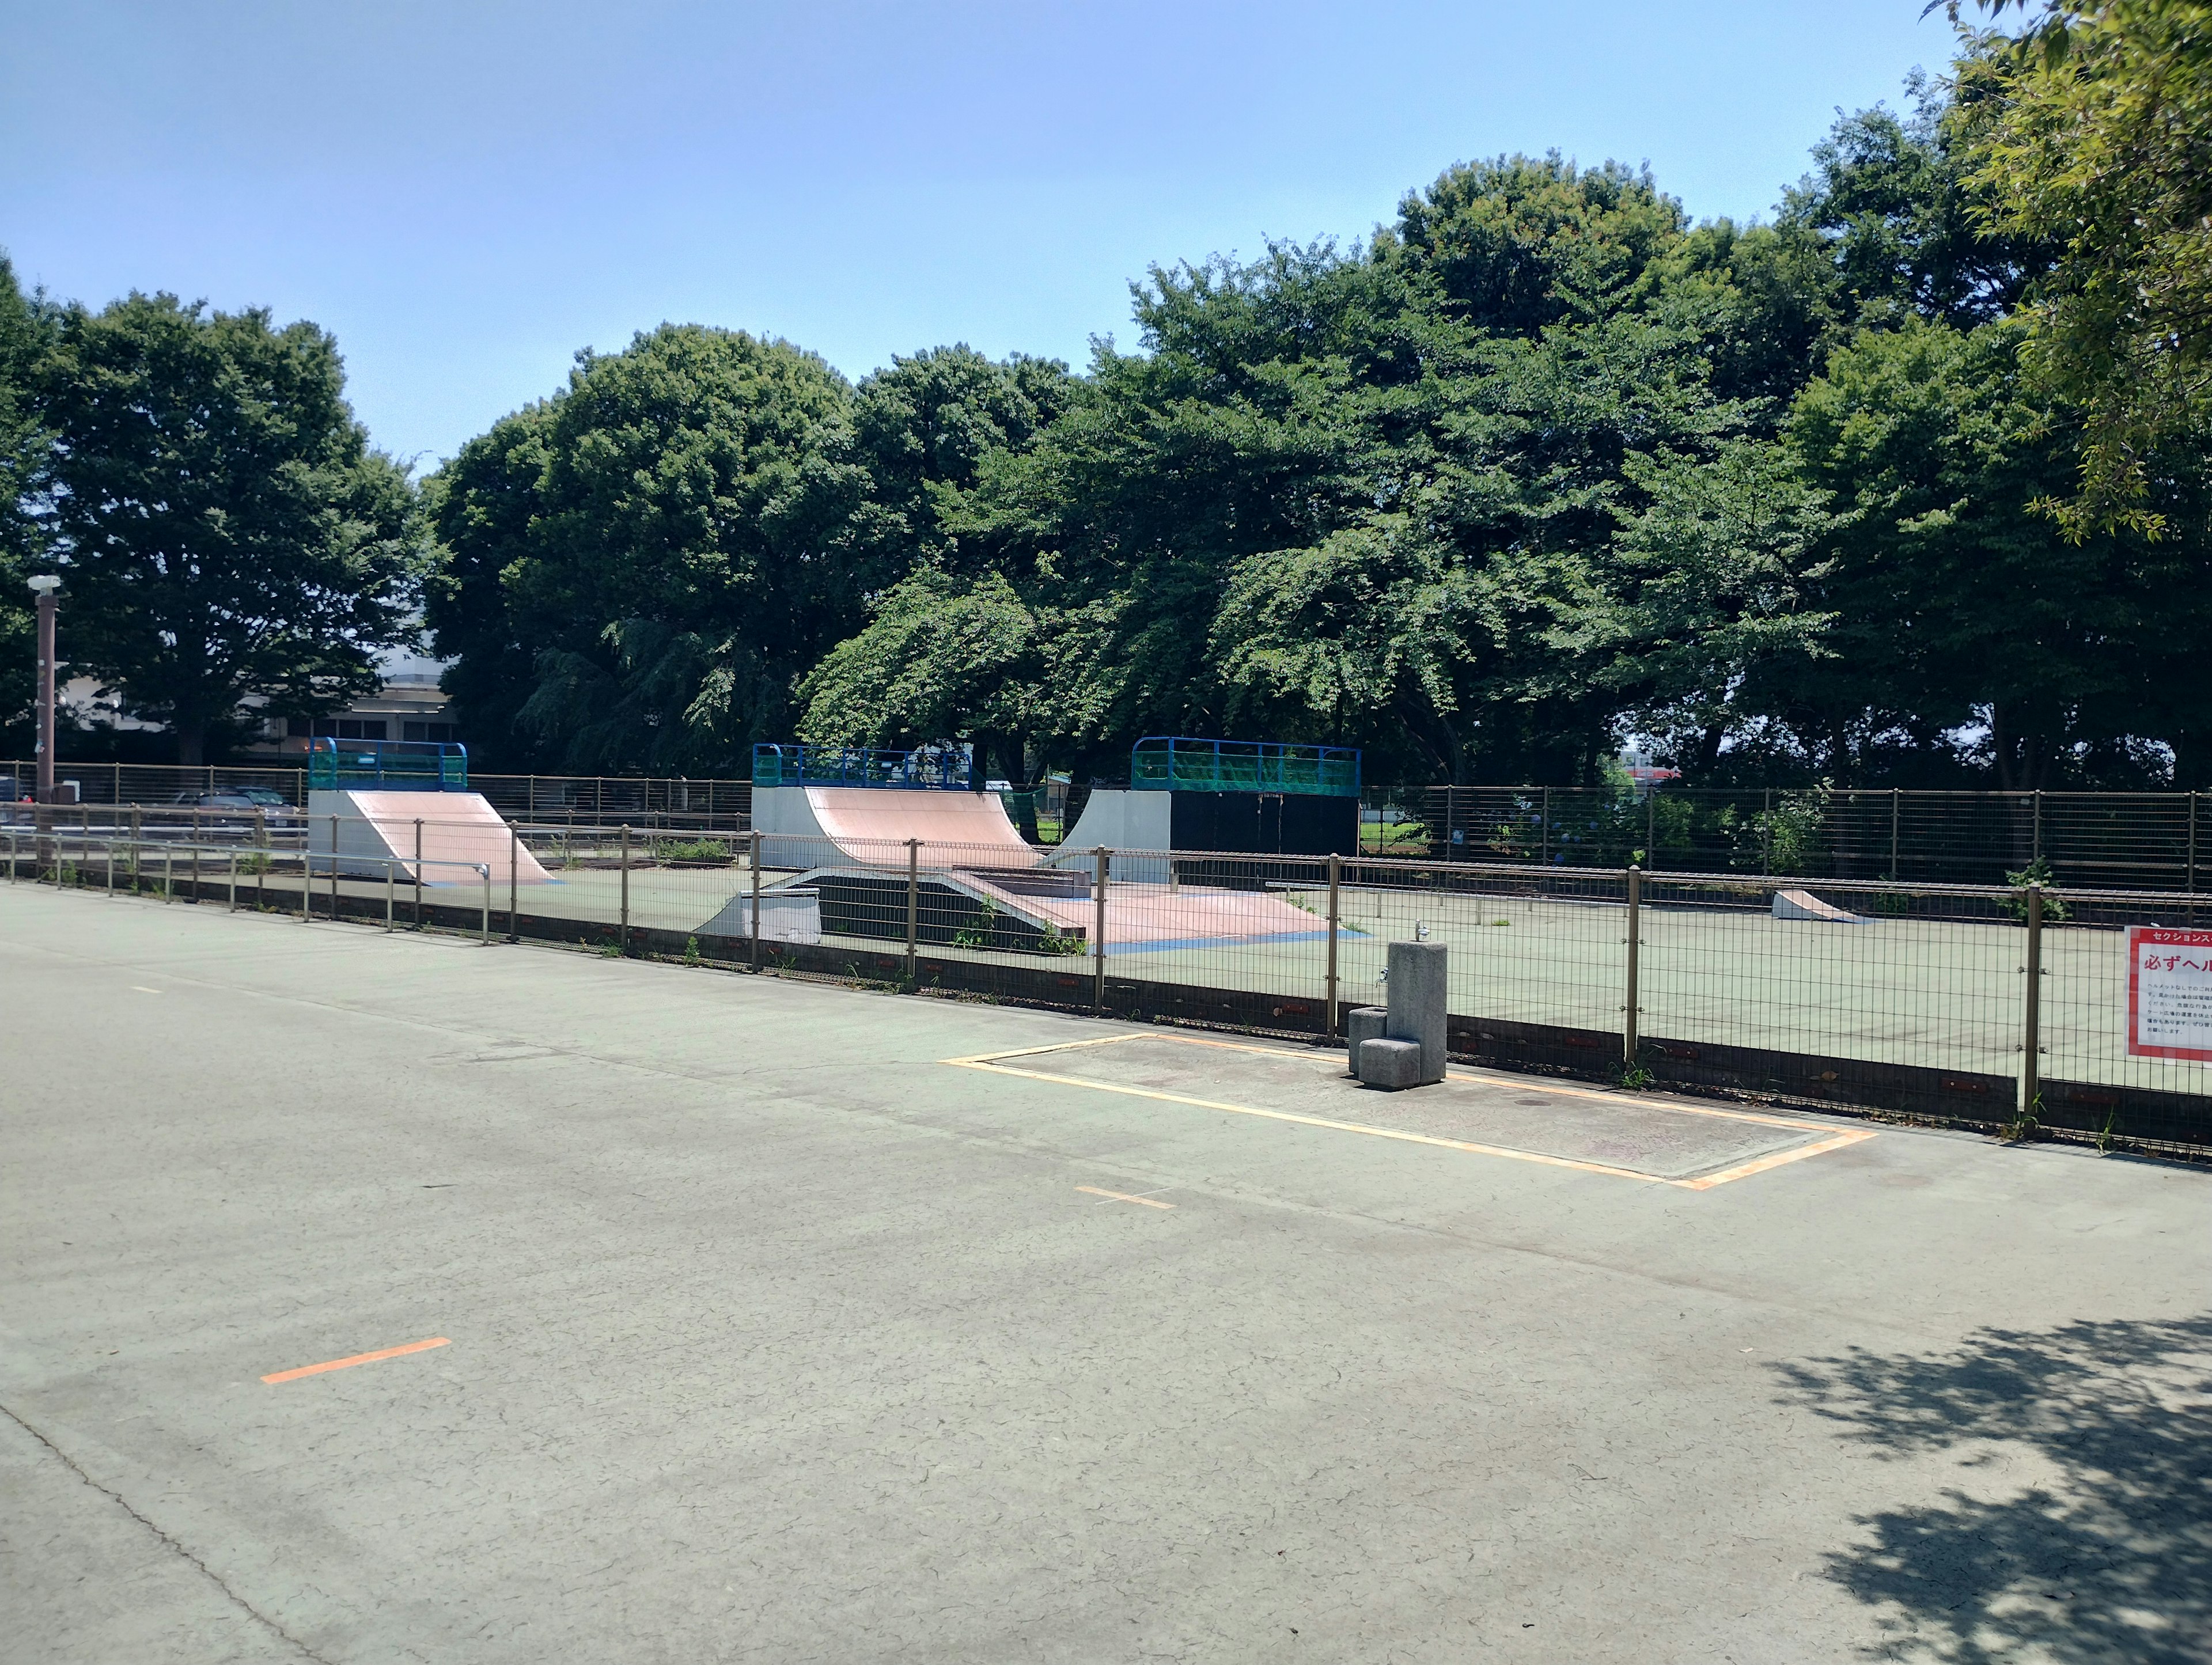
(1362, 1024)
(1390, 1064)
(1419, 1004)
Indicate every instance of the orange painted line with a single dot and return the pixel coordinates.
(1123, 1196)
(358, 1358)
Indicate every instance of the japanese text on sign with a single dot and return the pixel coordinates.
(2169, 992)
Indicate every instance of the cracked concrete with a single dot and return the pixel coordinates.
(772, 1339)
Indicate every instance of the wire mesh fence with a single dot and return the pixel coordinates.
(2128, 841)
(2108, 840)
(567, 799)
(1985, 1005)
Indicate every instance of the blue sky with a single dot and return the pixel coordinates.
(466, 193)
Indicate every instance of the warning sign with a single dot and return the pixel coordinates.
(2169, 992)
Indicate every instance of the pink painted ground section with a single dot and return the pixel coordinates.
(1152, 916)
(457, 826)
(873, 825)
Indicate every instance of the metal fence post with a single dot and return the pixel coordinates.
(390, 868)
(2191, 883)
(756, 918)
(418, 873)
(513, 860)
(484, 929)
(168, 873)
(1896, 803)
(2031, 1057)
(233, 882)
(1628, 1012)
(1335, 873)
(334, 868)
(111, 866)
(912, 906)
(623, 941)
(1104, 862)
(137, 827)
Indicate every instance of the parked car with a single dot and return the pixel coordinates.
(234, 810)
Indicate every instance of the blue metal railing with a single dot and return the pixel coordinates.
(1161, 763)
(944, 767)
(399, 765)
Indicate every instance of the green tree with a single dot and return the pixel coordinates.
(638, 570)
(480, 505)
(26, 449)
(1339, 495)
(2092, 129)
(1955, 603)
(1705, 623)
(224, 531)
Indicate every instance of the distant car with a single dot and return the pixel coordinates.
(233, 809)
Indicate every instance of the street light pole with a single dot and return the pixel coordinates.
(45, 585)
(42, 817)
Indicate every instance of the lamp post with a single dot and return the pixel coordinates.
(44, 587)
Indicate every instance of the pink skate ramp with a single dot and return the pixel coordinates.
(459, 832)
(962, 828)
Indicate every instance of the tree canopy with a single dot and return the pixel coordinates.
(26, 330)
(2092, 130)
(224, 530)
(1904, 484)
(1539, 468)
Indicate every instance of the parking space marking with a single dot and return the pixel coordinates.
(994, 1063)
(1490, 1079)
(358, 1358)
(1123, 1196)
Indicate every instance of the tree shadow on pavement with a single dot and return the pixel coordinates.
(2082, 1528)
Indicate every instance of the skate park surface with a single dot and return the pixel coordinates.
(775, 1321)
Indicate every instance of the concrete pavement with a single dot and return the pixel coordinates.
(769, 1335)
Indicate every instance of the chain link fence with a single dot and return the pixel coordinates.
(2131, 840)
(1989, 1005)
(567, 799)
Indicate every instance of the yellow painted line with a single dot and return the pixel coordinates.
(1486, 1080)
(1835, 1141)
(1759, 1166)
(1123, 1196)
(1308, 1120)
(1055, 1046)
(1763, 1120)
(358, 1358)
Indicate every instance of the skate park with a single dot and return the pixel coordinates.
(587, 1281)
(893, 865)
(848, 1270)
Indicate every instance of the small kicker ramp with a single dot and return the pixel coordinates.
(1804, 904)
(871, 825)
(459, 831)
